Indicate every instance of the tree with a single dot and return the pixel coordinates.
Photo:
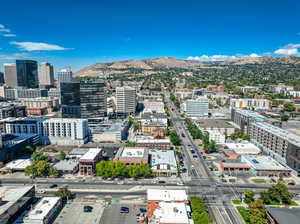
(289, 107)
(53, 172)
(62, 155)
(37, 156)
(284, 117)
(248, 196)
(280, 193)
(175, 139)
(257, 212)
(38, 169)
(265, 197)
(63, 193)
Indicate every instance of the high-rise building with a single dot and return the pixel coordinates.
(92, 99)
(10, 74)
(65, 75)
(196, 107)
(27, 73)
(70, 99)
(46, 75)
(83, 99)
(2, 78)
(126, 100)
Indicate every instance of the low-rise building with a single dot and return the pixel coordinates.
(163, 162)
(168, 206)
(154, 143)
(110, 131)
(87, 163)
(234, 169)
(45, 211)
(216, 136)
(12, 110)
(283, 215)
(148, 117)
(132, 155)
(250, 103)
(223, 126)
(17, 165)
(67, 166)
(14, 200)
(265, 166)
(153, 106)
(40, 106)
(241, 148)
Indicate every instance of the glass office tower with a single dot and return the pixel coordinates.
(27, 73)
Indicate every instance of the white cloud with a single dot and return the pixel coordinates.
(2, 26)
(4, 30)
(213, 58)
(14, 56)
(9, 35)
(34, 46)
(288, 50)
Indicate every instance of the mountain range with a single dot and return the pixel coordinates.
(151, 65)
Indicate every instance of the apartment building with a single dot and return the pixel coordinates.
(46, 75)
(250, 103)
(51, 130)
(282, 145)
(196, 107)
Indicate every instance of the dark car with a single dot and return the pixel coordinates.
(183, 135)
(124, 210)
(87, 208)
(143, 210)
(195, 156)
(193, 151)
(161, 182)
(181, 163)
(53, 185)
(183, 170)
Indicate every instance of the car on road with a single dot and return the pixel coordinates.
(41, 191)
(87, 208)
(124, 209)
(53, 186)
(193, 151)
(195, 156)
(180, 183)
(181, 163)
(143, 210)
(161, 182)
(183, 135)
(183, 170)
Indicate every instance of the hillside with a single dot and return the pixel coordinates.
(151, 65)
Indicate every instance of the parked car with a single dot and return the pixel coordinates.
(124, 210)
(87, 208)
(143, 210)
(161, 182)
(195, 156)
(53, 186)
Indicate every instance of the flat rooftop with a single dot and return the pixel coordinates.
(163, 157)
(19, 164)
(133, 152)
(10, 195)
(91, 154)
(213, 123)
(166, 195)
(285, 215)
(169, 212)
(279, 132)
(242, 148)
(263, 163)
(43, 207)
(248, 113)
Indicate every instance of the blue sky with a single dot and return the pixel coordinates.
(79, 33)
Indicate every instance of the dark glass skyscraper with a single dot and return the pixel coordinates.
(83, 100)
(27, 73)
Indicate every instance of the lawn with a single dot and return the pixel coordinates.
(243, 212)
(293, 203)
(236, 202)
(259, 180)
(232, 180)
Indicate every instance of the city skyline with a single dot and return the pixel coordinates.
(135, 30)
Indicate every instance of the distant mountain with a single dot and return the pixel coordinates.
(151, 65)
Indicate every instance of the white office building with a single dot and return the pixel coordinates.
(65, 75)
(250, 103)
(60, 131)
(46, 74)
(196, 107)
(217, 136)
(126, 100)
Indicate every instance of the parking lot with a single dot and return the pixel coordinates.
(112, 214)
(73, 212)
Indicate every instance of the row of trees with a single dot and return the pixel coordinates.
(239, 135)
(196, 133)
(119, 169)
(175, 100)
(199, 211)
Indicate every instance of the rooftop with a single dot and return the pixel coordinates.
(91, 154)
(242, 148)
(213, 123)
(66, 165)
(163, 157)
(133, 152)
(43, 207)
(110, 126)
(166, 195)
(252, 114)
(19, 164)
(169, 212)
(285, 215)
(263, 163)
(279, 132)
(10, 195)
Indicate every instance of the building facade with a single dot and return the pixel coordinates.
(250, 103)
(46, 75)
(64, 75)
(10, 74)
(196, 107)
(125, 100)
(27, 73)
